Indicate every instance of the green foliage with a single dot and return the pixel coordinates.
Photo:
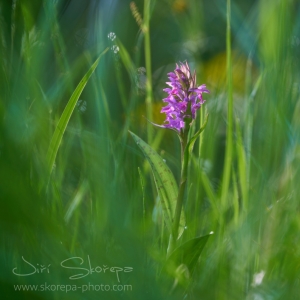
(187, 254)
(101, 200)
(66, 115)
(165, 183)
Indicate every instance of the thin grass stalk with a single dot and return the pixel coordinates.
(144, 207)
(249, 116)
(229, 131)
(13, 30)
(201, 122)
(147, 45)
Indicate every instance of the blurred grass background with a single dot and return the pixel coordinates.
(94, 203)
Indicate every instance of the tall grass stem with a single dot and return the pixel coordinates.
(229, 131)
(149, 94)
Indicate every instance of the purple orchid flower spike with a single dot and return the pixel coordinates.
(184, 99)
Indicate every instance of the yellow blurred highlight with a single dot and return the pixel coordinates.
(214, 73)
(138, 116)
(179, 6)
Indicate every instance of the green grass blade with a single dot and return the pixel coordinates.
(197, 134)
(229, 131)
(189, 148)
(165, 184)
(126, 59)
(147, 44)
(130, 68)
(210, 193)
(66, 115)
(242, 166)
(76, 201)
(144, 208)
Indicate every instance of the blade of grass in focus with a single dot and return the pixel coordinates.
(66, 115)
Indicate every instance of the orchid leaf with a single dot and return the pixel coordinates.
(165, 184)
(187, 254)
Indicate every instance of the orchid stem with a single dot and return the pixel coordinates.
(180, 198)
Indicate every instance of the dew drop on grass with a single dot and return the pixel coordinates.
(81, 105)
(111, 36)
(258, 278)
(115, 49)
(164, 160)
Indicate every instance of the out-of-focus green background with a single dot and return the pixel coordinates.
(96, 204)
